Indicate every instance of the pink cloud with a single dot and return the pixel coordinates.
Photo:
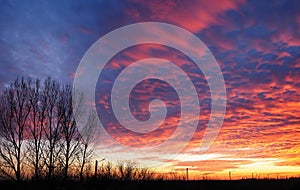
(193, 16)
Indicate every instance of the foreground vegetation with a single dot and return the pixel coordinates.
(95, 184)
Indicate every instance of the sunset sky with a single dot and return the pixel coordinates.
(255, 43)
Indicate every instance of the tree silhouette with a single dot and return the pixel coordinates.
(86, 152)
(14, 111)
(38, 130)
(70, 137)
(37, 119)
(52, 126)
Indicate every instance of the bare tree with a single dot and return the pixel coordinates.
(108, 171)
(37, 120)
(127, 170)
(70, 136)
(14, 111)
(85, 151)
(51, 128)
(124, 171)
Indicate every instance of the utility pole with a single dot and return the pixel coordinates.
(187, 174)
(96, 168)
(229, 175)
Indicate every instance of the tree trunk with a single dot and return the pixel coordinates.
(83, 162)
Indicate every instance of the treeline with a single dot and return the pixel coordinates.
(39, 137)
(125, 171)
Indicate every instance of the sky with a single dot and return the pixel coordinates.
(255, 43)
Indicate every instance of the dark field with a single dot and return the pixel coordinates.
(281, 184)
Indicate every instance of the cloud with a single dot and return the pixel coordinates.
(193, 16)
(256, 44)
